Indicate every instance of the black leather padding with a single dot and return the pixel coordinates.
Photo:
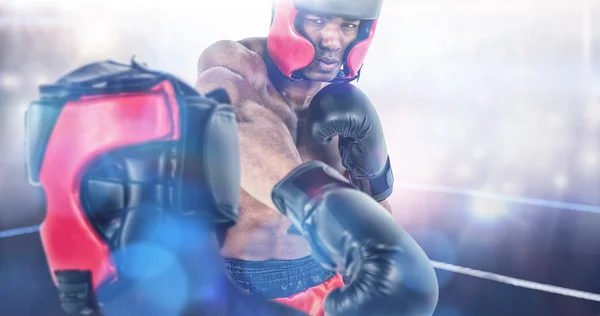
(200, 172)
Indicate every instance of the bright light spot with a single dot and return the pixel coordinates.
(591, 159)
(39, 79)
(441, 127)
(96, 38)
(462, 132)
(487, 208)
(555, 121)
(41, 5)
(464, 170)
(561, 181)
(591, 112)
(489, 187)
(425, 172)
(14, 122)
(22, 108)
(441, 153)
(9, 81)
(590, 163)
(511, 155)
(509, 188)
(478, 153)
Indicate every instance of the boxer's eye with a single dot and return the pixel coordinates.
(316, 21)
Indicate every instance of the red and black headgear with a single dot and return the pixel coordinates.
(119, 150)
(291, 51)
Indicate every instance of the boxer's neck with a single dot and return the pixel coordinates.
(298, 94)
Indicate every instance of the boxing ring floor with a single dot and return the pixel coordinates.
(478, 273)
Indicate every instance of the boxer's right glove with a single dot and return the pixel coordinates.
(349, 232)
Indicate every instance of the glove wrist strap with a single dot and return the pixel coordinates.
(379, 187)
(294, 194)
(299, 192)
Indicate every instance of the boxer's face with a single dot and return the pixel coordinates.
(330, 36)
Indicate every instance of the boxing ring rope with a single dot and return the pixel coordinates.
(516, 282)
(19, 231)
(451, 267)
(500, 197)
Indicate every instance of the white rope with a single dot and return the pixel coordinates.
(19, 231)
(436, 264)
(517, 282)
(501, 197)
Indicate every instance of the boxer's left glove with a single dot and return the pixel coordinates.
(387, 272)
(344, 110)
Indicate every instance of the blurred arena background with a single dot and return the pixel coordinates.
(491, 109)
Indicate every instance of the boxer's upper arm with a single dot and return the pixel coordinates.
(235, 67)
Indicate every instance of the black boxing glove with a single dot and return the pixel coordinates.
(387, 272)
(344, 110)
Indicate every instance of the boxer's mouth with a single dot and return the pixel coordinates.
(327, 64)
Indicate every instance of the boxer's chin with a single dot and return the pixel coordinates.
(319, 75)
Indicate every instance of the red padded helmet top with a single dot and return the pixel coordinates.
(291, 51)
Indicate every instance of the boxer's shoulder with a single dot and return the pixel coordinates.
(255, 44)
(236, 56)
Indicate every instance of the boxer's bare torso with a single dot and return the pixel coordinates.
(261, 231)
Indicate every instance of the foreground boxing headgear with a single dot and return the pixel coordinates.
(118, 148)
(291, 51)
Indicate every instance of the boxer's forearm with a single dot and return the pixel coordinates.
(259, 176)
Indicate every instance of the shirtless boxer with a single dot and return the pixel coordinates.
(108, 210)
(272, 81)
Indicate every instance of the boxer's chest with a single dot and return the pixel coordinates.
(296, 122)
(308, 148)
